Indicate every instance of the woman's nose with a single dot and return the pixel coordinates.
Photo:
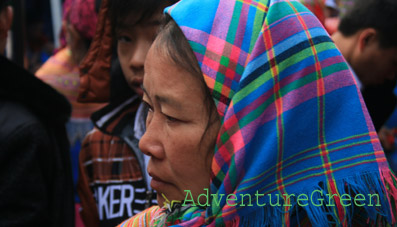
(151, 143)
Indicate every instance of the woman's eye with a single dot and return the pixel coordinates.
(171, 119)
(148, 107)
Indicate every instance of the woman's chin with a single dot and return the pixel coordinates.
(160, 199)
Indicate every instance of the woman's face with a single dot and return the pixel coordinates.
(176, 139)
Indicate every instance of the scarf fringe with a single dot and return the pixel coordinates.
(382, 183)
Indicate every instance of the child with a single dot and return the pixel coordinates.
(113, 183)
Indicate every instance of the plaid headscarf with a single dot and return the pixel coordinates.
(293, 120)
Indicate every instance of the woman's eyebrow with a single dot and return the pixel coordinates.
(145, 93)
(164, 99)
(152, 22)
(168, 101)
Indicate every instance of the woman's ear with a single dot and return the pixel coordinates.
(367, 37)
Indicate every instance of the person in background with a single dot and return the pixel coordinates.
(345, 6)
(332, 11)
(388, 137)
(61, 71)
(35, 172)
(331, 8)
(113, 181)
(366, 37)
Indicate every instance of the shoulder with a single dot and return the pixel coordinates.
(40, 98)
(18, 124)
(15, 117)
(57, 64)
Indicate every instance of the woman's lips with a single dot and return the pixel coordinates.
(157, 183)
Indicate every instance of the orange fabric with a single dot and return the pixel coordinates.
(95, 68)
(145, 218)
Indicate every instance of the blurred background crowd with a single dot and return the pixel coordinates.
(40, 22)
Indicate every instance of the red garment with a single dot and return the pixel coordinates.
(317, 7)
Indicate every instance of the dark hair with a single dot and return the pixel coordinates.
(172, 43)
(378, 14)
(140, 10)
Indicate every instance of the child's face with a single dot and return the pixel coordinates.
(133, 43)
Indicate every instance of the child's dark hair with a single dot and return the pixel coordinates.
(172, 42)
(380, 15)
(142, 10)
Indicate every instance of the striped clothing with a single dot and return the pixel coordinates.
(111, 185)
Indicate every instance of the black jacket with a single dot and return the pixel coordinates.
(380, 101)
(36, 187)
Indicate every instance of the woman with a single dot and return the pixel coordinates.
(292, 123)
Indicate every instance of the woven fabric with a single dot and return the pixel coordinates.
(108, 167)
(293, 120)
(144, 218)
(111, 185)
(105, 165)
(62, 74)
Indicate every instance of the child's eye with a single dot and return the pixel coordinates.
(123, 39)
